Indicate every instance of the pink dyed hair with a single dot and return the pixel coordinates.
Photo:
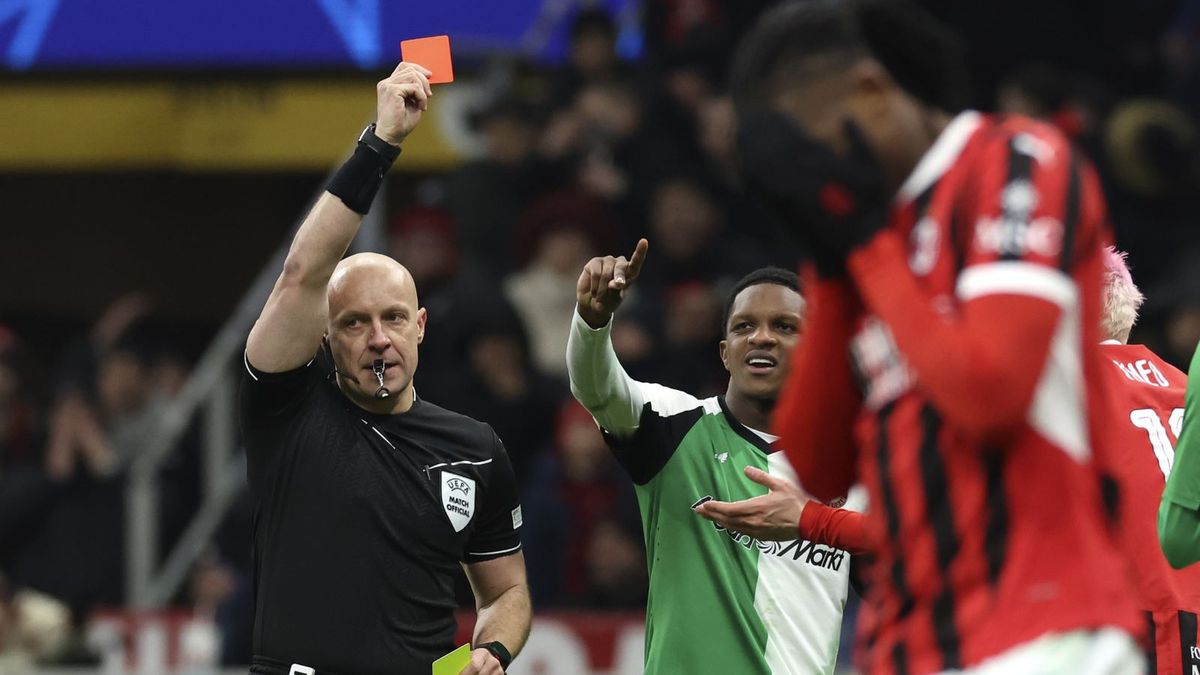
(1122, 299)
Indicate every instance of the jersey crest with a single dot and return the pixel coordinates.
(458, 498)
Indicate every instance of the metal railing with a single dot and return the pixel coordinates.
(210, 390)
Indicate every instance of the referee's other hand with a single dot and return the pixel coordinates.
(401, 98)
(483, 662)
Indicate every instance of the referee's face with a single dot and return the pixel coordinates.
(765, 323)
(374, 314)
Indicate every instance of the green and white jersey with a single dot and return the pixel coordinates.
(720, 601)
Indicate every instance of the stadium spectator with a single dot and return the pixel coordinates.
(558, 232)
(573, 491)
(26, 493)
(424, 238)
(691, 326)
(114, 386)
(592, 56)
(486, 196)
(494, 381)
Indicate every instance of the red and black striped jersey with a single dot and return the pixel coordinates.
(989, 542)
(1145, 415)
(980, 454)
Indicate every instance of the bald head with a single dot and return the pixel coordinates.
(374, 317)
(370, 279)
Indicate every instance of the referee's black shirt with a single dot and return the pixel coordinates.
(360, 521)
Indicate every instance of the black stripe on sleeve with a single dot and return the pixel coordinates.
(921, 203)
(941, 519)
(900, 659)
(891, 511)
(995, 545)
(1070, 214)
(1152, 649)
(1020, 171)
(1187, 637)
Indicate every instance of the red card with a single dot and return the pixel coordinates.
(431, 52)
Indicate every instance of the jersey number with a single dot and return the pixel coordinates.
(1148, 420)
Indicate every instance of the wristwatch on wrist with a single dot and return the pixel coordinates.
(499, 651)
(386, 150)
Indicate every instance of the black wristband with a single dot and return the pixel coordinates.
(357, 182)
(499, 651)
(371, 140)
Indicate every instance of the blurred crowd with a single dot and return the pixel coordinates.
(575, 161)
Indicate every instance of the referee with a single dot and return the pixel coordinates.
(366, 498)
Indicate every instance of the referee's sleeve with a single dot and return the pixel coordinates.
(498, 531)
(266, 396)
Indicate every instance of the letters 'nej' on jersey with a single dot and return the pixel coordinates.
(966, 366)
(1146, 399)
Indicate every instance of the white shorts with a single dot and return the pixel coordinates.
(1108, 651)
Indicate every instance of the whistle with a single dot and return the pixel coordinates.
(378, 367)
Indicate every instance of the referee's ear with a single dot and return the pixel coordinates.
(422, 315)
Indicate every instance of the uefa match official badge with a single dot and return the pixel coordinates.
(458, 498)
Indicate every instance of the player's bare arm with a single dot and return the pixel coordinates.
(504, 611)
(289, 330)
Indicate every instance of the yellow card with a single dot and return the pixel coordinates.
(454, 662)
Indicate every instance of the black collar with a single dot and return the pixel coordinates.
(744, 431)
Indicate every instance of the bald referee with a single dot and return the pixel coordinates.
(366, 498)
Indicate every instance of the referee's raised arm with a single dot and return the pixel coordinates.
(289, 329)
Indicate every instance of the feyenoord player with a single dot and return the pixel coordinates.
(720, 601)
(1145, 398)
(953, 334)
(1179, 511)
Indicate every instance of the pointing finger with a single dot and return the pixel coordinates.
(636, 260)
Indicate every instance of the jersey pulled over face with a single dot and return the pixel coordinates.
(374, 316)
(764, 326)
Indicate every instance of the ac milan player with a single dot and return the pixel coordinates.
(953, 335)
(1145, 398)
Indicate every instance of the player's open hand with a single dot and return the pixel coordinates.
(774, 516)
(483, 662)
(603, 283)
(402, 97)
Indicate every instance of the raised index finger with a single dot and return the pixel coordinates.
(636, 260)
